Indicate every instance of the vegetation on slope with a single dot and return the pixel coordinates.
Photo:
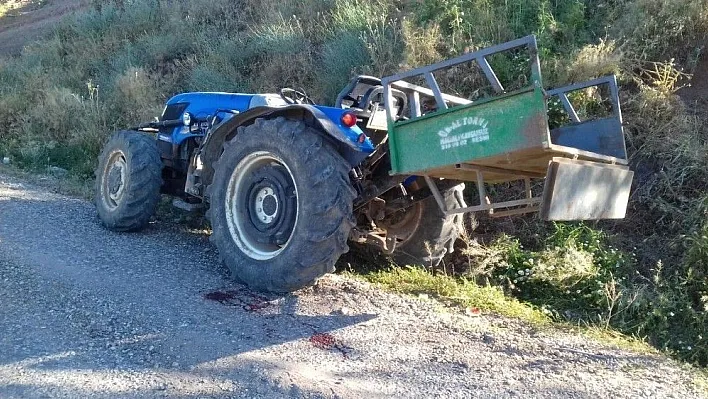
(113, 66)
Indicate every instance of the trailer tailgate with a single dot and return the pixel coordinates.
(583, 190)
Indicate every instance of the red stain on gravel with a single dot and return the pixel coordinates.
(323, 341)
(249, 301)
(220, 296)
(328, 342)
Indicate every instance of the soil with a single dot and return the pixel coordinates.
(28, 20)
(696, 94)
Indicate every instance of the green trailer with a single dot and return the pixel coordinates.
(506, 136)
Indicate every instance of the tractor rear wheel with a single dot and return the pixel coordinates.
(280, 205)
(128, 180)
(424, 235)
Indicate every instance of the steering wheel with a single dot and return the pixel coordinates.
(292, 96)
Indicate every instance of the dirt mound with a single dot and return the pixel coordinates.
(26, 20)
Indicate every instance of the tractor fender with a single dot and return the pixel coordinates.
(213, 146)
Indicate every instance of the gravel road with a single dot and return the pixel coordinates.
(88, 313)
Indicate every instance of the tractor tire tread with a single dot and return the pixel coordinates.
(142, 184)
(436, 232)
(322, 234)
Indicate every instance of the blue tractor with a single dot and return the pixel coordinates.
(288, 184)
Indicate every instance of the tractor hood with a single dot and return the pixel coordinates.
(203, 104)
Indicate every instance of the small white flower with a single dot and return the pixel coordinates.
(671, 314)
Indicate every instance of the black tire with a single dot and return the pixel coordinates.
(285, 157)
(430, 234)
(128, 180)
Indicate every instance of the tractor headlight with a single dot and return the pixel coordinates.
(187, 119)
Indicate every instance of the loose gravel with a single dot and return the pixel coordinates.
(88, 313)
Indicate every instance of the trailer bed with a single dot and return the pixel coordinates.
(506, 137)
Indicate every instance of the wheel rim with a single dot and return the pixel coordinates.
(261, 205)
(403, 224)
(114, 180)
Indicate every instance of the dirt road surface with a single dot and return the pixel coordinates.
(28, 20)
(87, 313)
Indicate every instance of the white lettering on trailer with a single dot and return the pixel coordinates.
(477, 134)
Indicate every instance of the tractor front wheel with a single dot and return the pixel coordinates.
(128, 180)
(280, 205)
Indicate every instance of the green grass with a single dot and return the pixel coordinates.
(456, 291)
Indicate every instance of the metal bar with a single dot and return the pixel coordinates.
(582, 85)
(489, 73)
(389, 118)
(483, 198)
(436, 193)
(408, 87)
(569, 107)
(592, 156)
(589, 162)
(414, 103)
(536, 78)
(507, 204)
(614, 97)
(492, 169)
(480, 189)
(430, 79)
(387, 102)
(528, 41)
(159, 124)
(519, 211)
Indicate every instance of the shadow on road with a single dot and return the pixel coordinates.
(94, 311)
